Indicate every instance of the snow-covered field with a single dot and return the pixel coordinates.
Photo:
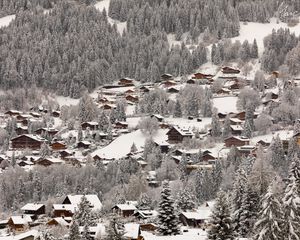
(283, 135)
(225, 104)
(104, 4)
(259, 31)
(5, 21)
(120, 147)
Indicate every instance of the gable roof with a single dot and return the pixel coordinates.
(182, 131)
(32, 207)
(92, 198)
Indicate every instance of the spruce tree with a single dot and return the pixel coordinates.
(270, 222)
(221, 222)
(74, 233)
(186, 200)
(177, 109)
(84, 215)
(168, 220)
(291, 205)
(215, 125)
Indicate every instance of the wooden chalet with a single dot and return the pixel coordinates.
(12, 113)
(145, 89)
(58, 221)
(202, 76)
(132, 98)
(297, 136)
(27, 141)
(173, 89)
(191, 219)
(166, 77)
(108, 106)
(229, 70)
(83, 144)
(57, 146)
(176, 134)
(169, 83)
(65, 153)
(34, 210)
(19, 223)
(223, 91)
(236, 141)
(35, 114)
(90, 125)
(163, 146)
(126, 82)
(21, 130)
(236, 130)
(63, 210)
(121, 125)
(158, 117)
(46, 131)
(48, 161)
(56, 114)
(263, 143)
(124, 210)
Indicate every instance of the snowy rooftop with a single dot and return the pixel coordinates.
(132, 230)
(32, 207)
(93, 199)
(21, 220)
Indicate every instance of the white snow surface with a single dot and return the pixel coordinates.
(5, 21)
(259, 31)
(225, 104)
(120, 147)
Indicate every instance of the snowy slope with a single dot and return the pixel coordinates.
(259, 31)
(120, 147)
(104, 4)
(5, 21)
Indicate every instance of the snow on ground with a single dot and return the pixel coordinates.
(104, 4)
(191, 234)
(259, 31)
(120, 147)
(185, 123)
(61, 100)
(283, 135)
(5, 21)
(225, 104)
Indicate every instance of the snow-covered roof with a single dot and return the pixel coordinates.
(51, 159)
(92, 198)
(22, 236)
(61, 221)
(126, 207)
(21, 220)
(32, 207)
(32, 136)
(67, 207)
(192, 215)
(236, 127)
(183, 131)
(132, 230)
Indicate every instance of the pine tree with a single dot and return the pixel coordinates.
(226, 128)
(80, 134)
(177, 109)
(144, 202)
(115, 230)
(84, 215)
(276, 153)
(221, 222)
(270, 221)
(291, 205)
(215, 125)
(74, 233)
(86, 233)
(133, 148)
(168, 220)
(186, 200)
(239, 188)
(87, 109)
(254, 49)
(249, 211)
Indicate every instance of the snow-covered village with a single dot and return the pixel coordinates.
(149, 120)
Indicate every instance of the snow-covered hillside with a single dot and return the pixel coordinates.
(5, 21)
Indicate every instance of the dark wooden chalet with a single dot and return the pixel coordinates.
(27, 141)
(132, 98)
(56, 114)
(236, 141)
(48, 161)
(46, 131)
(83, 144)
(124, 210)
(19, 223)
(158, 117)
(202, 76)
(163, 146)
(126, 82)
(229, 70)
(191, 219)
(34, 210)
(90, 125)
(121, 125)
(22, 130)
(176, 134)
(12, 113)
(65, 153)
(56, 146)
(166, 77)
